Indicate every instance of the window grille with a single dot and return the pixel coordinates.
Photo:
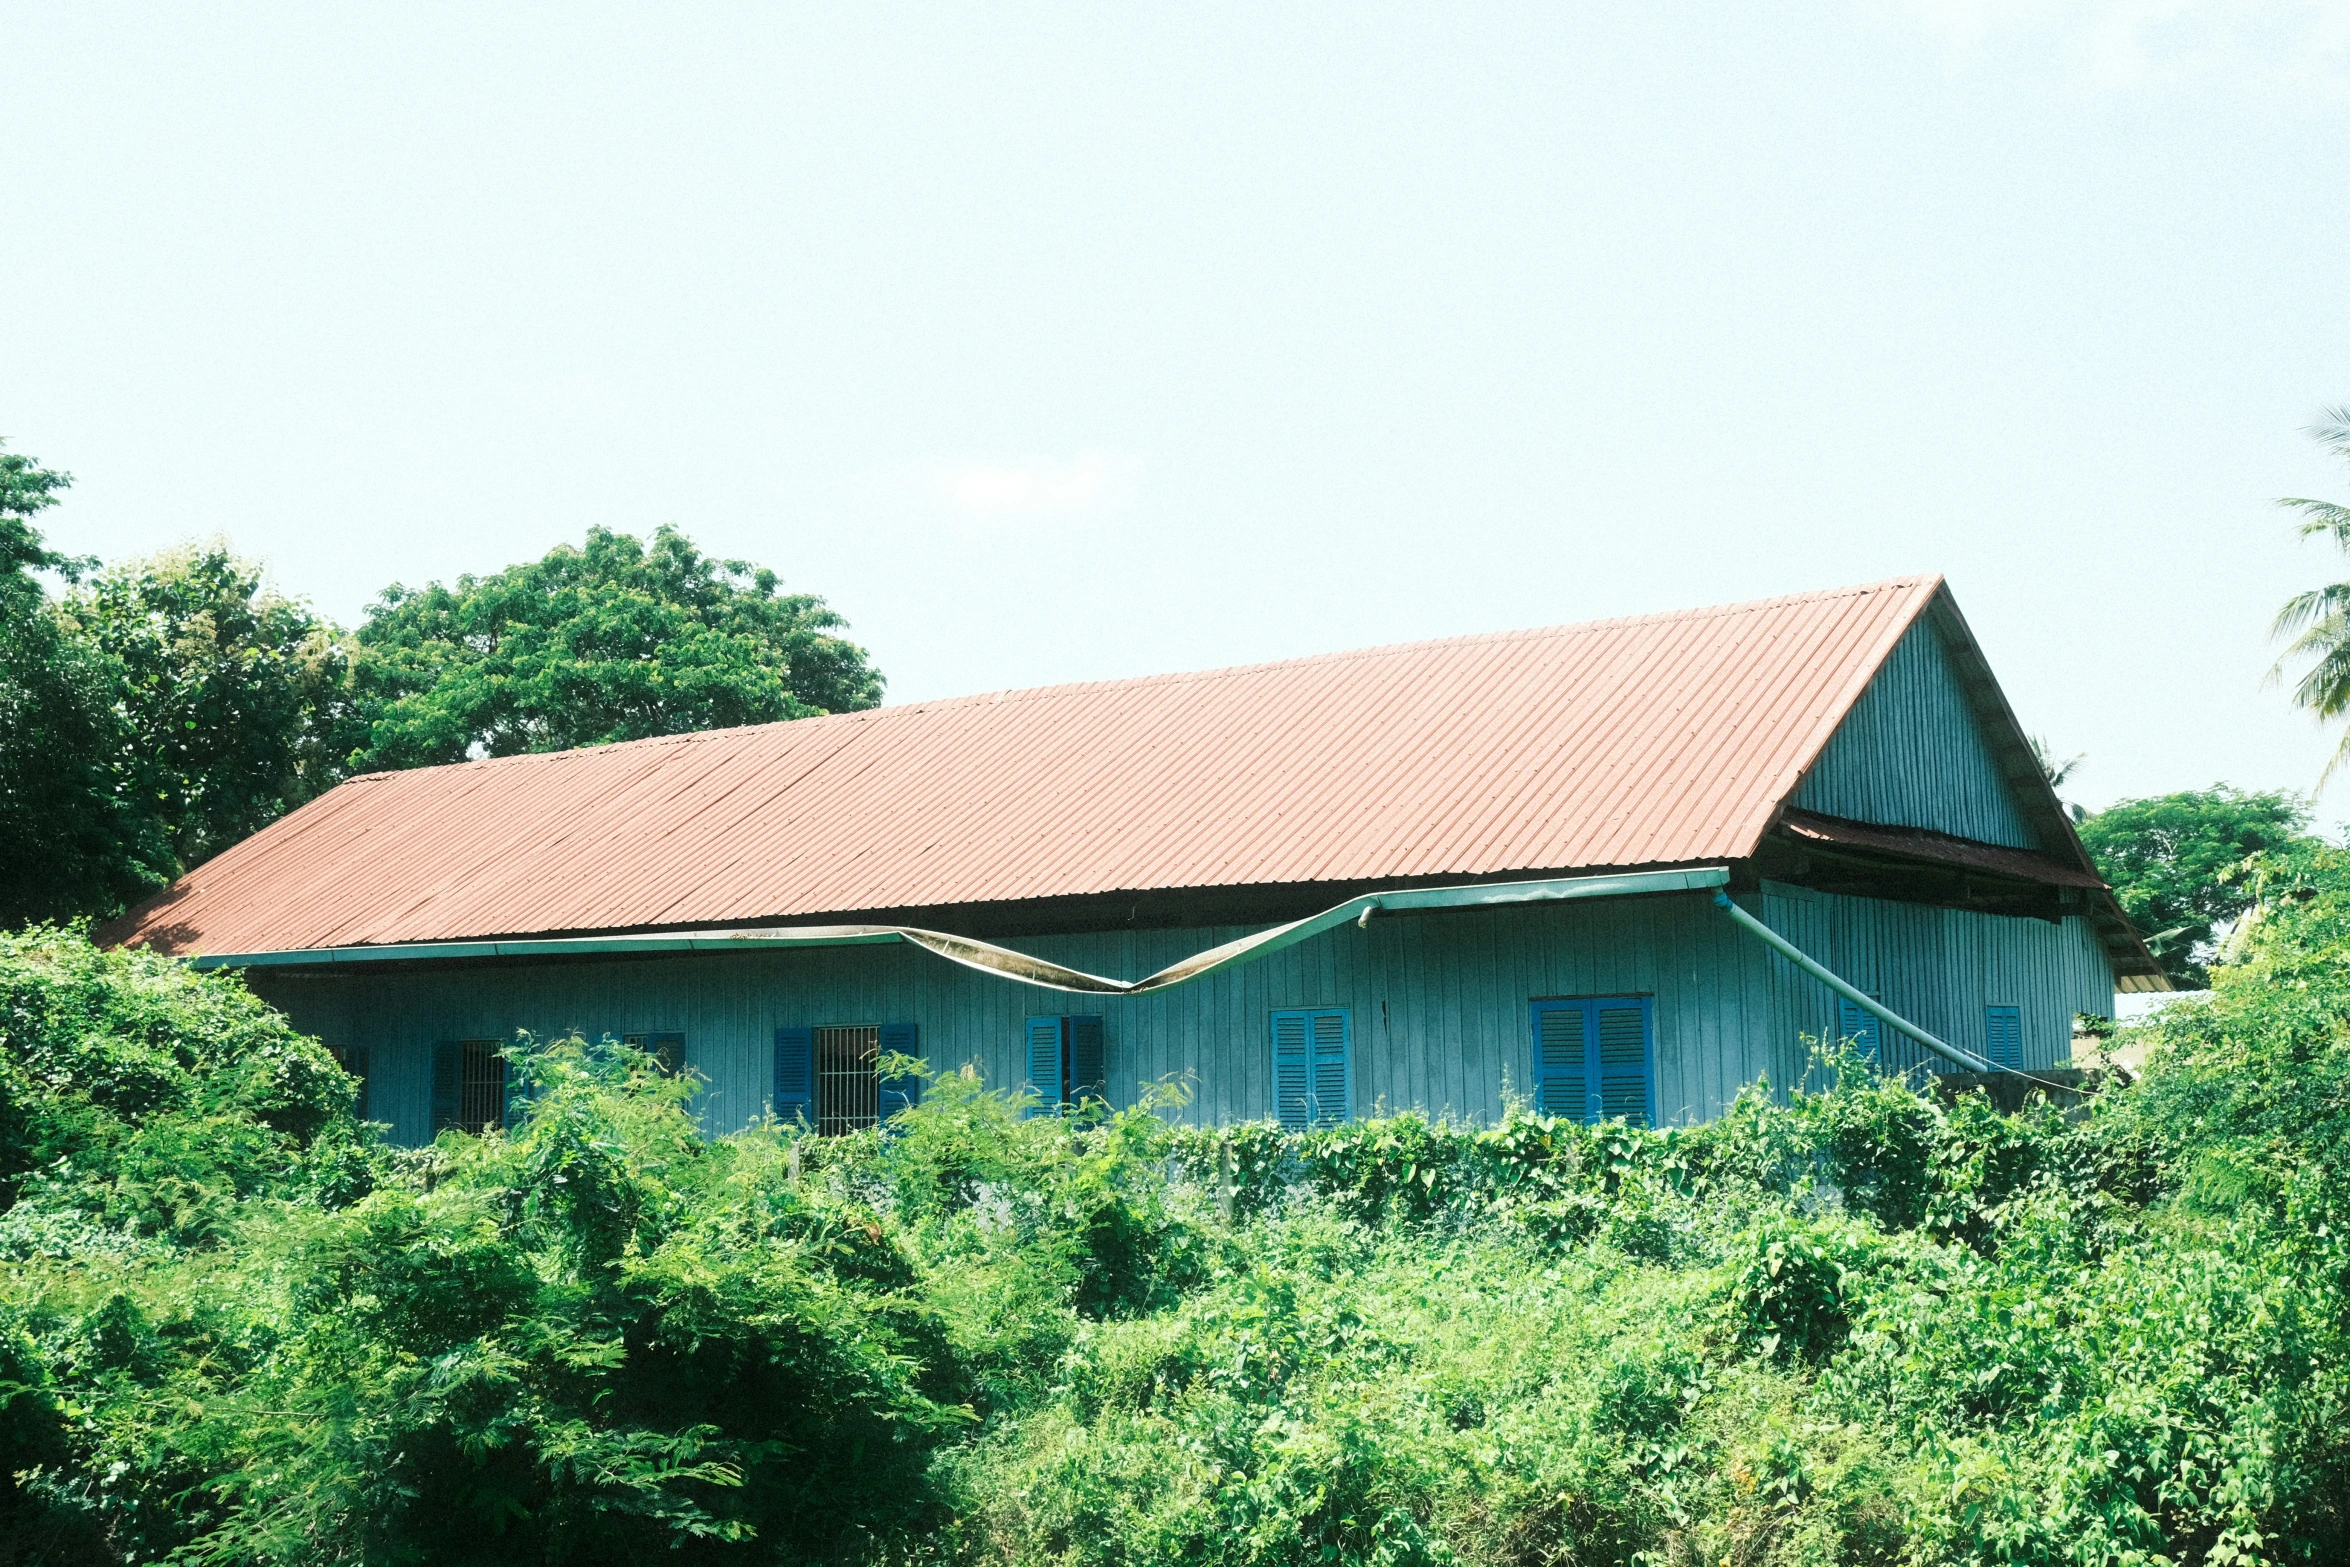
(468, 1085)
(848, 1092)
(830, 1078)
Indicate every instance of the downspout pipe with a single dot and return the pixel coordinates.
(1884, 1014)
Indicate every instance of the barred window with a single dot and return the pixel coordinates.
(829, 1078)
(468, 1085)
(848, 1092)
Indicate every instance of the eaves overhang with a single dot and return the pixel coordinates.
(1005, 962)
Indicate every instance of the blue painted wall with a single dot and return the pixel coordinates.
(1911, 754)
(1439, 1002)
(1941, 969)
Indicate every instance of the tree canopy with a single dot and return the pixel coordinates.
(237, 698)
(2173, 861)
(613, 640)
(75, 836)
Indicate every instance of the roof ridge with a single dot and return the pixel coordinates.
(1222, 671)
(1391, 649)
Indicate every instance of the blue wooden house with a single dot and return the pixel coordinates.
(1616, 869)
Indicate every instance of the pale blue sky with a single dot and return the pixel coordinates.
(1056, 343)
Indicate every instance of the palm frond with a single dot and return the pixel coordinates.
(2303, 610)
(2334, 762)
(2052, 768)
(2318, 517)
(2324, 688)
(2318, 621)
(2332, 430)
(2327, 641)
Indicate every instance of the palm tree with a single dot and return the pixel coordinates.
(2056, 770)
(2318, 621)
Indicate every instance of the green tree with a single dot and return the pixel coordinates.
(2318, 621)
(614, 640)
(238, 698)
(72, 839)
(2171, 860)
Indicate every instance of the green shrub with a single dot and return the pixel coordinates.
(1787, 1290)
(148, 1095)
(600, 1337)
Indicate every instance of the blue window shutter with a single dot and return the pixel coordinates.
(1088, 1075)
(1292, 1077)
(795, 1075)
(448, 1084)
(1045, 1078)
(2005, 1032)
(1858, 1024)
(1562, 1081)
(899, 1093)
(1621, 1061)
(1333, 1068)
(1313, 1068)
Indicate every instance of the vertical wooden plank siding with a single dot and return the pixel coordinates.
(1942, 969)
(1911, 754)
(1439, 1003)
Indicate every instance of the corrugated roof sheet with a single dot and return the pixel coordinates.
(1660, 740)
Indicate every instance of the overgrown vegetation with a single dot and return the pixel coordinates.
(1857, 1325)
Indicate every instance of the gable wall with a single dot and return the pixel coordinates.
(1439, 1003)
(1911, 754)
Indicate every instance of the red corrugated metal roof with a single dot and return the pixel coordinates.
(1661, 740)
